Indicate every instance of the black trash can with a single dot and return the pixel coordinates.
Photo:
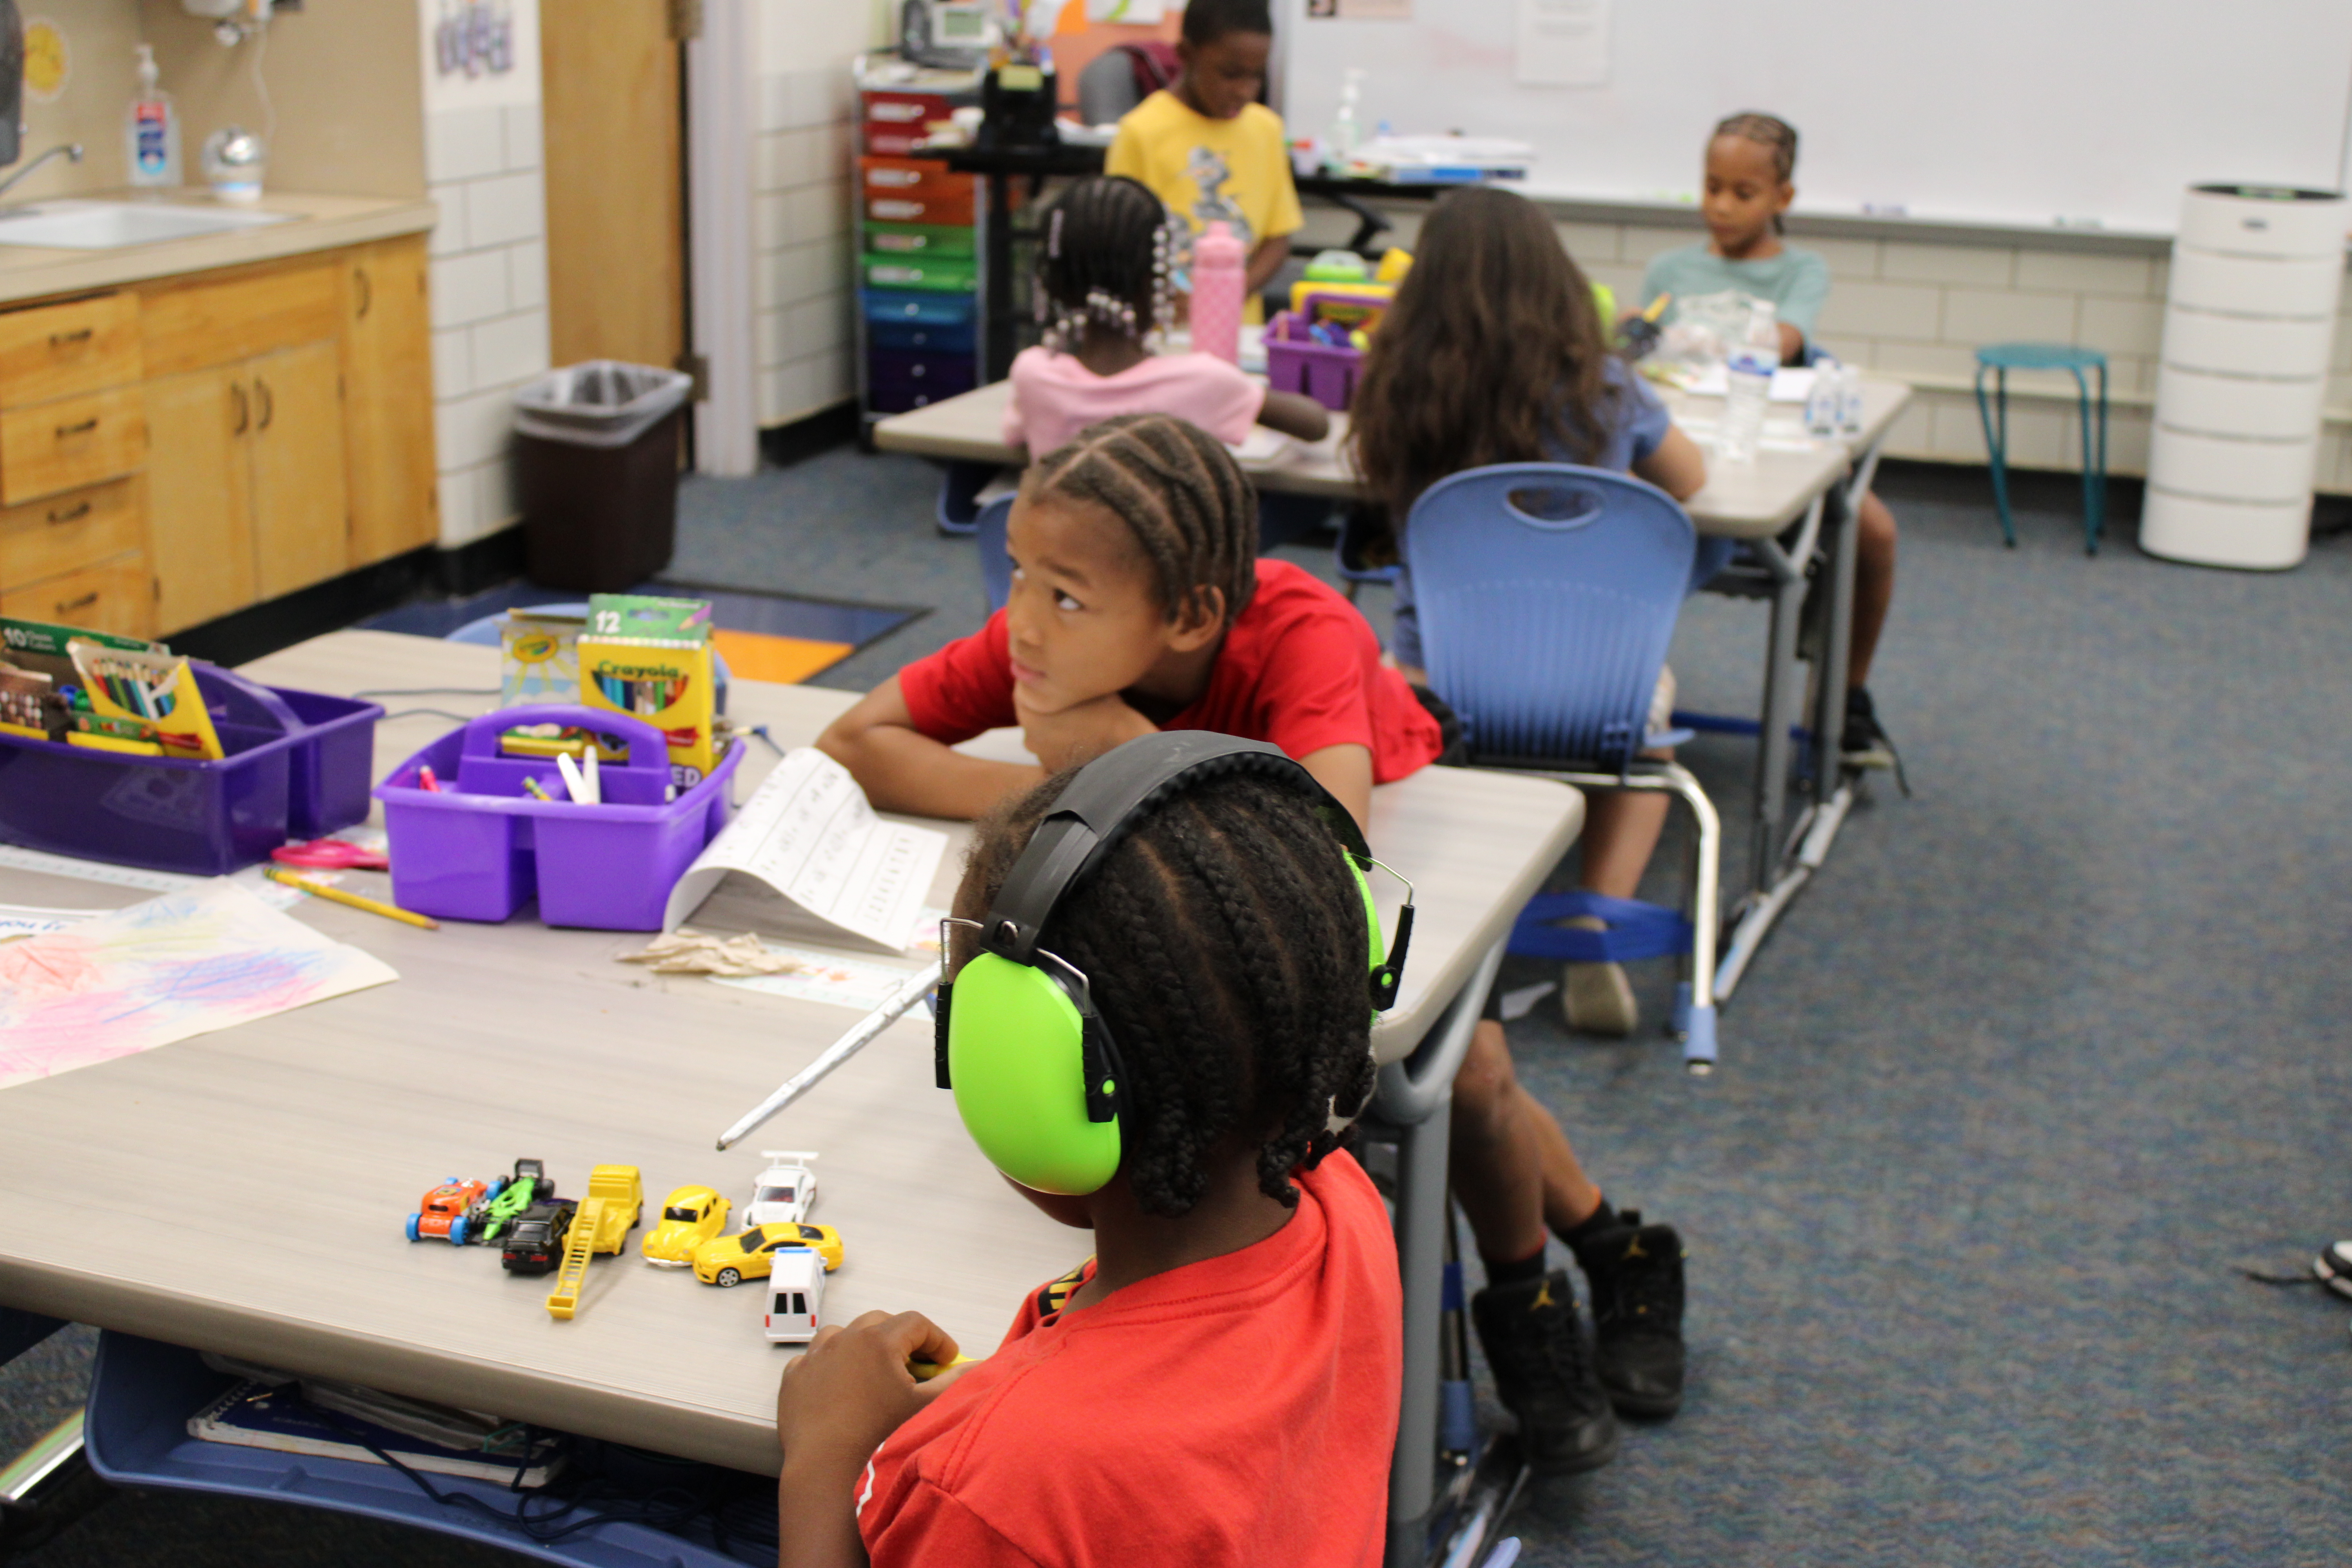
(596, 466)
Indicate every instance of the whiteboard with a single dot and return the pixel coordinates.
(2006, 111)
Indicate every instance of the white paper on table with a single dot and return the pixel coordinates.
(808, 835)
(181, 963)
(1563, 43)
(1790, 384)
(1264, 446)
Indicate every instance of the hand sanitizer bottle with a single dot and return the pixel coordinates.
(152, 129)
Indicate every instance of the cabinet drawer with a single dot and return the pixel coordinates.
(62, 351)
(66, 532)
(192, 326)
(65, 445)
(111, 597)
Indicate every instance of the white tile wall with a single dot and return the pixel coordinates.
(489, 302)
(802, 291)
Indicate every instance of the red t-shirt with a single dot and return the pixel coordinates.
(1299, 668)
(1236, 1411)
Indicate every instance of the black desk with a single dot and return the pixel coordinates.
(1000, 166)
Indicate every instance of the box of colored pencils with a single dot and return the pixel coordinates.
(154, 688)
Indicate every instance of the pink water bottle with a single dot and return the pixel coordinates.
(1219, 269)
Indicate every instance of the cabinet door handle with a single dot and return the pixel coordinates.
(61, 340)
(81, 603)
(73, 515)
(269, 403)
(84, 428)
(244, 410)
(367, 291)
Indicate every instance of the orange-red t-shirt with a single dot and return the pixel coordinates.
(1239, 1410)
(1299, 668)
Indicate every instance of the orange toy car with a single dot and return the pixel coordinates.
(443, 1214)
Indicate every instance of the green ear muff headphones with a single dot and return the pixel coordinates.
(1037, 1076)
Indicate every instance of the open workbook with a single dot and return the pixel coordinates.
(808, 835)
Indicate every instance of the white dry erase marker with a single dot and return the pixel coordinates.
(574, 784)
(595, 780)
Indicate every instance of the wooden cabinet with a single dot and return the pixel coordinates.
(179, 450)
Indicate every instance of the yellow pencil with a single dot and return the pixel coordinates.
(373, 906)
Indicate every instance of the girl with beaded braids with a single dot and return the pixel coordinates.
(1103, 291)
(1218, 1386)
(1138, 604)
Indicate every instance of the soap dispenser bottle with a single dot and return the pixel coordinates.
(152, 129)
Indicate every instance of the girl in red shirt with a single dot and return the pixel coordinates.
(1138, 604)
(1218, 1386)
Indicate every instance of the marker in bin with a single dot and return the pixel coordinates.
(425, 781)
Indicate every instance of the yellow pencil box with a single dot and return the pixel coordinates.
(158, 690)
(667, 684)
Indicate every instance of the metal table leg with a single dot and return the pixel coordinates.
(1413, 1099)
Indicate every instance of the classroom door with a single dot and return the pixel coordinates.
(615, 182)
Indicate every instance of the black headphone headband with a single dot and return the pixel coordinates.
(1105, 802)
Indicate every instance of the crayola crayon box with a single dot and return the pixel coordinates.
(37, 672)
(651, 659)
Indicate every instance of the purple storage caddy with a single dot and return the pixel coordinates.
(478, 848)
(297, 767)
(1299, 363)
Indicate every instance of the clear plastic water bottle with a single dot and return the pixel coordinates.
(1850, 400)
(1753, 360)
(1822, 402)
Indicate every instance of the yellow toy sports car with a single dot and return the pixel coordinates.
(751, 1255)
(689, 1216)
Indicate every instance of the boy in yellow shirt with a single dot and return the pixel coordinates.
(1208, 148)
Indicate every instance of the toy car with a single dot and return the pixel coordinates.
(530, 1184)
(535, 1245)
(689, 1216)
(796, 1296)
(785, 1189)
(442, 1213)
(750, 1254)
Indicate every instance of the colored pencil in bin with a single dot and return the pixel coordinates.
(425, 781)
(532, 788)
(356, 901)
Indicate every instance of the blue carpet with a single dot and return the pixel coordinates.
(773, 615)
(2045, 1056)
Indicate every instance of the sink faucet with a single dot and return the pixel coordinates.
(72, 150)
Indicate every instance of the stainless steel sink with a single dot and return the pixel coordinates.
(110, 226)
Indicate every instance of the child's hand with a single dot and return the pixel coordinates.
(852, 1389)
(1080, 732)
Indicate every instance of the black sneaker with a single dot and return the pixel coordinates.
(1863, 743)
(1544, 1374)
(1635, 1271)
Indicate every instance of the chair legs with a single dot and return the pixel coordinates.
(2095, 460)
(1695, 1019)
(1996, 434)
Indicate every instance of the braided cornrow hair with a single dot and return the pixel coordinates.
(1224, 942)
(1108, 250)
(1180, 493)
(1771, 132)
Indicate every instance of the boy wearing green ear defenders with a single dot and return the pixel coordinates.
(1165, 966)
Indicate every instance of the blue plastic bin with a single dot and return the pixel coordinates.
(479, 847)
(135, 1433)
(297, 767)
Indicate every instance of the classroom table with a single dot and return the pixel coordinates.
(1780, 506)
(243, 1190)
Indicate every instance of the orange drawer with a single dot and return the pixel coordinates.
(114, 595)
(76, 441)
(63, 351)
(914, 179)
(46, 539)
(950, 211)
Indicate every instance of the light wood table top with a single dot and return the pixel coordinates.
(1749, 500)
(243, 1190)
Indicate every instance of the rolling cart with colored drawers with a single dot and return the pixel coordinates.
(917, 236)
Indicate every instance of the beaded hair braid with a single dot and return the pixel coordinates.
(1180, 493)
(1109, 247)
(1224, 942)
(1772, 133)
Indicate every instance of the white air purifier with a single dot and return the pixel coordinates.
(2247, 335)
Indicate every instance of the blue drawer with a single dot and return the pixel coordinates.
(924, 337)
(930, 310)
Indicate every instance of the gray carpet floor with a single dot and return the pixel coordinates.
(2052, 1050)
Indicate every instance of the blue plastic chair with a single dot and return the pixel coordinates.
(1547, 595)
(2000, 359)
(996, 560)
(484, 633)
(958, 508)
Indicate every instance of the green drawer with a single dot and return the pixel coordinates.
(937, 275)
(923, 239)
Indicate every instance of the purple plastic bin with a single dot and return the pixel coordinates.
(479, 847)
(1300, 364)
(297, 767)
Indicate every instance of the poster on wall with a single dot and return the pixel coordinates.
(1563, 43)
(1360, 10)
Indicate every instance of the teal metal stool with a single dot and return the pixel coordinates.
(2002, 358)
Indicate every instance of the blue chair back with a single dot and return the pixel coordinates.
(1547, 594)
(995, 563)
